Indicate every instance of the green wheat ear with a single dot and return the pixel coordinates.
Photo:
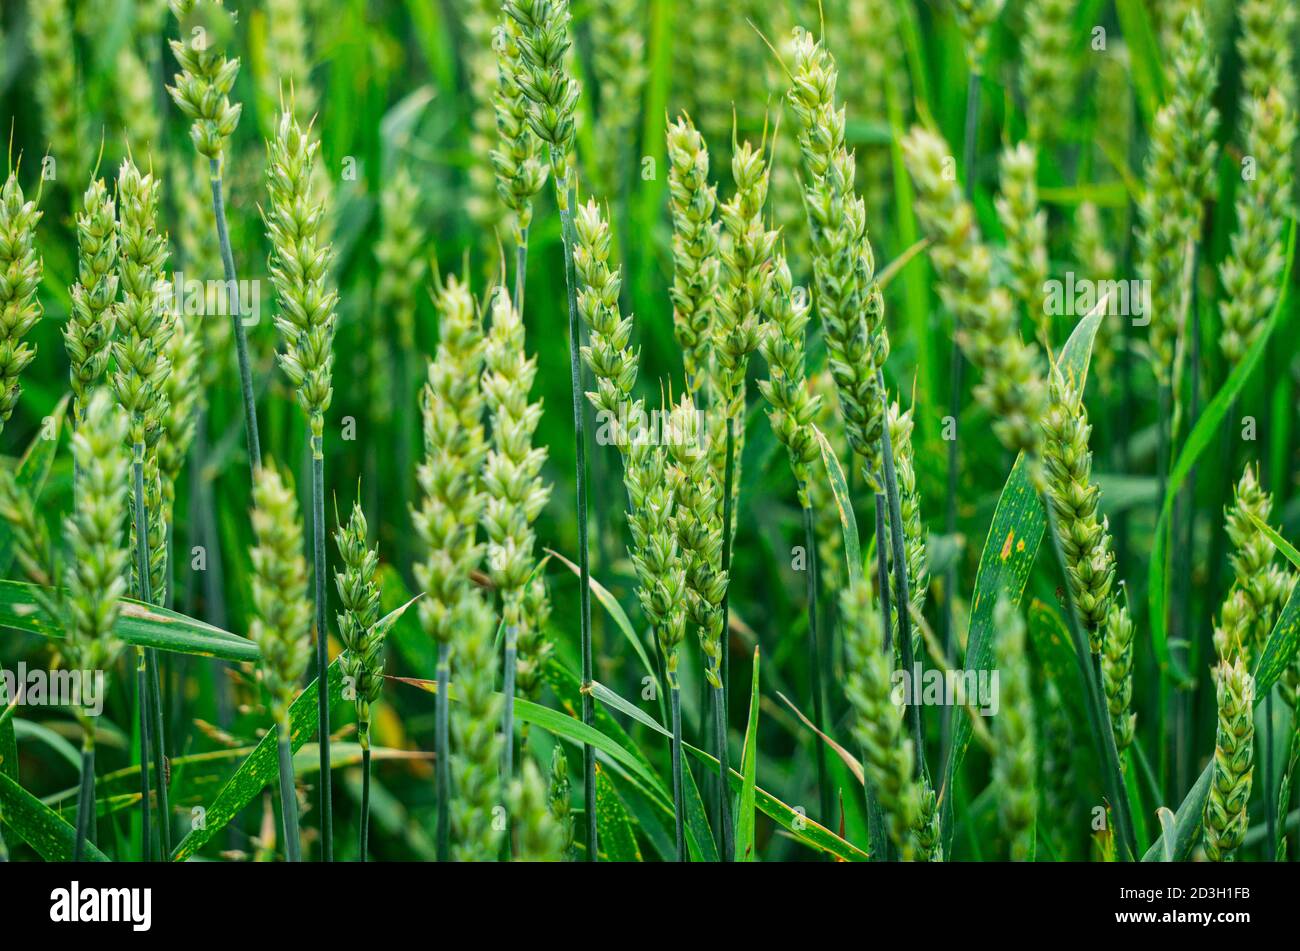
(520, 169)
(475, 732)
(619, 69)
(541, 836)
(1264, 584)
(1117, 672)
(281, 624)
(845, 292)
(693, 202)
(1011, 388)
(1046, 80)
(19, 308)
(89, 329)
(559, 802)
(1226, 815)
(95, 574)
(52, 41)
(201, 89)
(1025, 227)
(975, 19)
(545, 78)
(362, 663)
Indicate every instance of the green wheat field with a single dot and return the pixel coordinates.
(640, 430)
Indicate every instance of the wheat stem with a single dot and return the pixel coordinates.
(288, 797)
(241, 336)
(720, 722)
(364, 846)
(142, 704)
(815, 660)
(322, 643)
(86, 795)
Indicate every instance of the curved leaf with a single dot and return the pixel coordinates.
(40, 826)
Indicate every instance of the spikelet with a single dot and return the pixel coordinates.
(95, 573)
(1117, 672)
(1025, 227)
(793, 405)
(1014, 756)
(540, 837)
(1085, 539)
(909, 502)
(20, 276)
(1265, 584)
(512, 481)
(202, 87)
(56, 91)
(845, 292)
(887, 751)
(1232, 635)
(1226, 816)
(32, 547)
(362, 663)
(696, 266)
(535, 648)
(476, 740)
(281, 623)
(1178, 177)
(1046, 77)
(301, 258)
(928, 833)
(1097, 262)
(975, 19)
(89, 328)
(449, 476)
(1011, 388)
(517, 159)
(557, 798)
(546, 81)
(144, 327)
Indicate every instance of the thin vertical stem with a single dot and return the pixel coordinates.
(322, 644)
(815, 664)
(159, 756)
(86, 797)
(1270, 803)
(288, 796)
(675, 702)
(875, 819)
(724, 758)
(727, 835)
(442, 750)
(142, 702)
(566, 195)
(241, 337)
(365, 802)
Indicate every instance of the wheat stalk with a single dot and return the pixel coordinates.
(202, 92)
(362, 664)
